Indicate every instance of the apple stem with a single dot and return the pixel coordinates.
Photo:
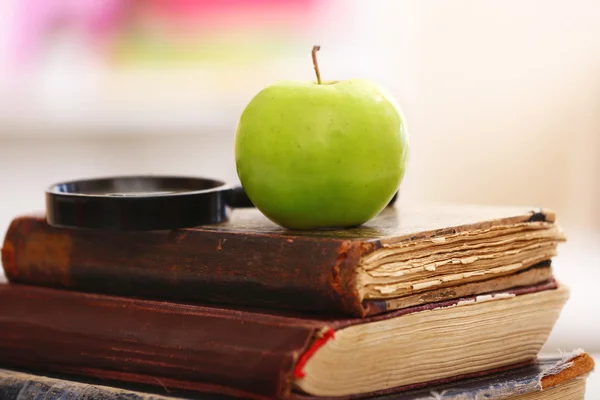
(315, 64)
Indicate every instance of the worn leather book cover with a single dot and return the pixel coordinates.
(548, 378)
(405, 256)
(254, 354)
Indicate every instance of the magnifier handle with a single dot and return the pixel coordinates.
(239, 199)
(393, 200)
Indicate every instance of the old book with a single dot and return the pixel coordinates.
(261, 355)
(546, 379)
(405, 256)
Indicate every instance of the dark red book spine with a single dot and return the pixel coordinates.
(216, 266)
(170, 345)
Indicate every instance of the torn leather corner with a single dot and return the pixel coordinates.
(574, 364)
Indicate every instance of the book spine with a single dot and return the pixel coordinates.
(161, 344)
(270, 271)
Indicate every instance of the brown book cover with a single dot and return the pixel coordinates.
(405, 256)
(547, 378)
(259, 355)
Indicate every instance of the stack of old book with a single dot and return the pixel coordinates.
(429, 302)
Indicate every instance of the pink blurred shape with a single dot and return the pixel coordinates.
(206, 8)
(37, 19)
(97, 20)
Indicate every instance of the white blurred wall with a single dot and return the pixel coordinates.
(502, 100)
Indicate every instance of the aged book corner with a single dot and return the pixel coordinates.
(572, 365)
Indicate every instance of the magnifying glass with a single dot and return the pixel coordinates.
(142, 203)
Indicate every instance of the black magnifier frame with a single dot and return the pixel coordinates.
(141, 203)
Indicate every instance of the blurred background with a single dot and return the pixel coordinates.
(502, 99)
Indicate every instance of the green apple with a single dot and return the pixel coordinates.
(321, 154)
